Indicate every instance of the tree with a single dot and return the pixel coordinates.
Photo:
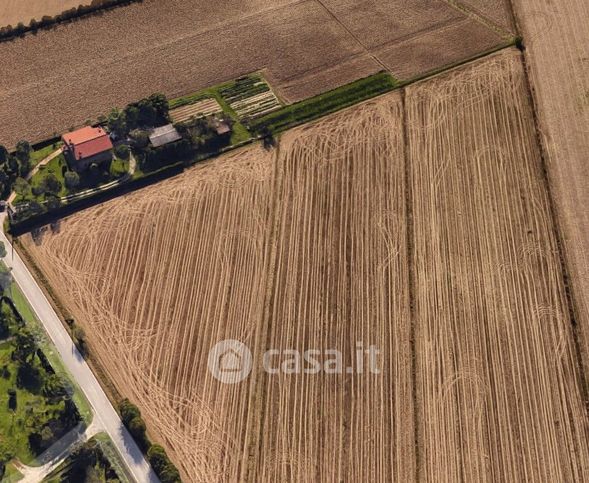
(128, 411)
(132, 116)
(70, 415)
(53, 202)
(122, 151)
(2, 249)
(158, 459)
(23, 154)
(160, 104)
(12, 401)
(117, 122)
(161, 464)
(79, 337)
(71, 179)
(26, 346)
(50, 184)
(54, 387)
(140, 138)
(6, 454)
(22, 187)
(3, 154)
(23, 150)
(137, 428)
(4, 325)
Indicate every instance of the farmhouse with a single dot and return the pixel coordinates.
(87, 146)
(164, 135)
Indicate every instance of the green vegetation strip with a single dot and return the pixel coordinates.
(327, 103)
(48, 348)
(240, 133)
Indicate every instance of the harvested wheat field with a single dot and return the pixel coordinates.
(340, 278)
(498, 385)
(14, 11)
(176, 47)
(158, 291)
(419, 223)
(557, 53)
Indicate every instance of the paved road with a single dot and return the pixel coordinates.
(105, 417)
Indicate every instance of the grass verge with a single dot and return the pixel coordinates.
(327, 103)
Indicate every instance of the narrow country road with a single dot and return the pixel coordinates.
(105, 417)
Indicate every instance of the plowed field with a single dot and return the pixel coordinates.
(60, 78)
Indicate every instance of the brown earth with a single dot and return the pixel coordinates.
(421, 226)
(497, 11)
(60, 78)
(557, 53)
(14, 11)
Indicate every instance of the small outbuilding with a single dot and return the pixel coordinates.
(164, 135)
(222, 128)
(87, 146)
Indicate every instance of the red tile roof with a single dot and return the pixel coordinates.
(88, 141)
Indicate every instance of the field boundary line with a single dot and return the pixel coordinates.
(582, 359)
(410, 236)
(351, 34)
(477, 17)
(260, 378)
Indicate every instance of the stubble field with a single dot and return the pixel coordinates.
(55, 81)
(499, 389)
(417, 222)
(557, 41)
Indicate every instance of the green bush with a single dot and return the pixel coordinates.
(161, 464)
(122, 151)
(156, 455)
(128, 411)
(71, 179)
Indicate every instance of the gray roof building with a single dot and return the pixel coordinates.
(164, 135)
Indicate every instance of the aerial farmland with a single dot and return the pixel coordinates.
(305, 47)
(390, 238)
(343, 190)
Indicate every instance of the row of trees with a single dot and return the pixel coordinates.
(8, 31)
(156, 455)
